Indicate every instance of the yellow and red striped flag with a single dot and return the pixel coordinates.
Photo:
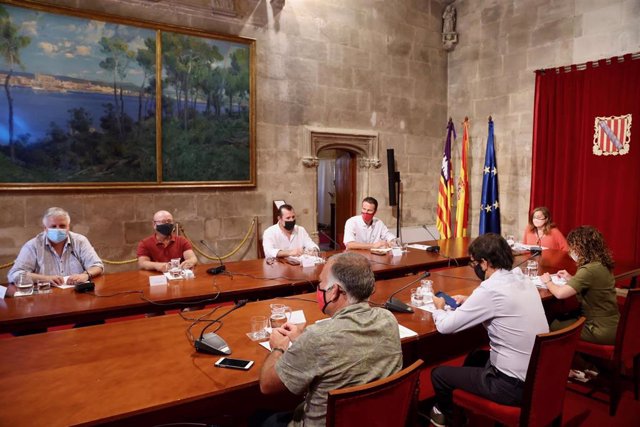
(445, 190)
(462, 205)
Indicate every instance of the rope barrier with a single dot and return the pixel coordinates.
(230, 254)
(195, 247)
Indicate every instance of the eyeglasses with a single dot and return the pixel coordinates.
(473, 263)
(324, 291)
(540, 218)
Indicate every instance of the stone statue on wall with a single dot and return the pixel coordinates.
(449, 35)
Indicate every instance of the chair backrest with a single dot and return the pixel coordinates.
(385, 402)
(627, 337)
(547, 375)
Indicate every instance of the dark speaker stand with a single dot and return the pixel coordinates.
(398, 209)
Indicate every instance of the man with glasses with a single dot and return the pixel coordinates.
(359, 344)
(365, 231)
(510, 308)
(156, 251)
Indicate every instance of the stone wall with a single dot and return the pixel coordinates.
(359, 64)
(491, 72)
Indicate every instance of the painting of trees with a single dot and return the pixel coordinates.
(10, 44)
(86, 97)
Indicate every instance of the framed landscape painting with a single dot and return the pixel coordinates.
(103, 102)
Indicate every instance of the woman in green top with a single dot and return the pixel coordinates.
(593, 286)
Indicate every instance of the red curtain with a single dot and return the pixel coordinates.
(579, 187)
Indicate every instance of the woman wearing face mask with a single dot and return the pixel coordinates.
(593, 285)
(541, 231)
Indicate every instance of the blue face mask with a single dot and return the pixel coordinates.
(56, 235)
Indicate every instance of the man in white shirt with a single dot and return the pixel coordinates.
(285, 238)
(510, 308)
(364, 231)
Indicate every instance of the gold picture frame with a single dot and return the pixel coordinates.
(81, 106)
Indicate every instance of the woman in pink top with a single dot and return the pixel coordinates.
(541, 231)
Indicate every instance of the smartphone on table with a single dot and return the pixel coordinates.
(228, 362)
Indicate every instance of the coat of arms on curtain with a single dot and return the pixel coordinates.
(612, 135)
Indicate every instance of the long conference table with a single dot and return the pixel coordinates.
(129, 293)
(146, 371)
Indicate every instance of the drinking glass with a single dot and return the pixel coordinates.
(426, 289)
(259, 328)
(280, 314)
(174, 268)
(24, 285)
(417, 299)
(532, 268)
(44, 287)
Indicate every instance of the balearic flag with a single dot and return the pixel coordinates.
(445, 190)
(490, 205)
(462, 205)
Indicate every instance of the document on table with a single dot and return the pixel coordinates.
(554, 278)
(64, 284)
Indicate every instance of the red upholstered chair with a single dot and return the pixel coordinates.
(386, 402)
(625, 348)
(544, 387)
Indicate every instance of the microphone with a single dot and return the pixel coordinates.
(212, 343)
(214, 270)
(434, 248)
(337, 245)
(394, 304)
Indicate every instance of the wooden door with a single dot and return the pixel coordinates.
(345, 191)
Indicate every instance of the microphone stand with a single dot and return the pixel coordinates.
(338, 246)
(394, 304)
(214, 270)
(436, 248)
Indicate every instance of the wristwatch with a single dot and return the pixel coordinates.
(277, 349)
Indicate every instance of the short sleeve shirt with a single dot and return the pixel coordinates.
(359, 344)
(157, 252)
(595, 290)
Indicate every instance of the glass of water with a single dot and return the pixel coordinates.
(417, 300)
(532, 268)
(426, 288)
(24, 285)
(511, 240)
(174, 268)
(44, 287)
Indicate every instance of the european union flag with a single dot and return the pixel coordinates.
(490, 206)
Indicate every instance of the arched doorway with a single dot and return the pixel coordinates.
(354, 153)
(336, 198)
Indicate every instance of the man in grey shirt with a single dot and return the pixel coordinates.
(57, 253)
(359, 344)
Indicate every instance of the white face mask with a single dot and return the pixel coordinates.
(573, 255)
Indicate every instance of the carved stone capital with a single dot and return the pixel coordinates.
(370, 163)
(310, 162)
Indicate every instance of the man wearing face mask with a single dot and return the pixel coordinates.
(511, 310)
(285, 238)
(359, 344)
(156, 251)
(364, 231)
(57, 253)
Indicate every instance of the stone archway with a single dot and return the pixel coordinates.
(364, 143)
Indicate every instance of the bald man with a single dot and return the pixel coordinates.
(155, 252)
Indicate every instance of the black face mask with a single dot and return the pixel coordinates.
(288, 225)
(164, 229)
(479, 271)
